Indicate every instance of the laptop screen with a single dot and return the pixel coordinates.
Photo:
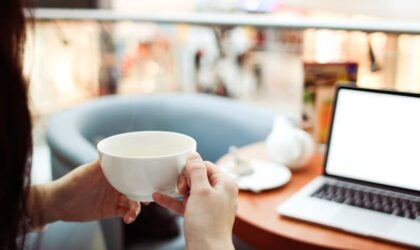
(375, 137)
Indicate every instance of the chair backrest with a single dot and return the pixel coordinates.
(215, 122)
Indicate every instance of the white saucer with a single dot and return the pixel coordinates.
(267, 175)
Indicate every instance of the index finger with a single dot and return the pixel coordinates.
(182, 184)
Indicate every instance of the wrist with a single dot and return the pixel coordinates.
(41, 209)
(209, 243)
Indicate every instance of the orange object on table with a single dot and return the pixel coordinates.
(258, 223)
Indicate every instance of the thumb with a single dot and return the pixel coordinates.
(197, 172)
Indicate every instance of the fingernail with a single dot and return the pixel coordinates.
(193, 156)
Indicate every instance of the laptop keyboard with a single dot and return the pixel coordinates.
(376, 201)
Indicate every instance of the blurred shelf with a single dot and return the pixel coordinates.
(231, 19)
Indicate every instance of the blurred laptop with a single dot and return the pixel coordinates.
(371, 180)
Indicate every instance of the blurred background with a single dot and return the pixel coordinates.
(79, 50)
(72, 60)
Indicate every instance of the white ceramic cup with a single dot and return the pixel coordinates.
(138, 164)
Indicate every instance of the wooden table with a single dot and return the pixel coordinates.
(258, 224)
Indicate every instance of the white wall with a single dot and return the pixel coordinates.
(147, 6)
(395, 9)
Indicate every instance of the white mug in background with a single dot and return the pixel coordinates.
(138, 164)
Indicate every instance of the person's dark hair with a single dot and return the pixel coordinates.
(15, 126)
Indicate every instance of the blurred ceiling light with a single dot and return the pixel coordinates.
(62, 75)
(327, 44)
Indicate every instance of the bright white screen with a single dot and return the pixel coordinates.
(376, 138)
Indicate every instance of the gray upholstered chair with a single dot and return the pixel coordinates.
(215, 122)
(67, 236)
